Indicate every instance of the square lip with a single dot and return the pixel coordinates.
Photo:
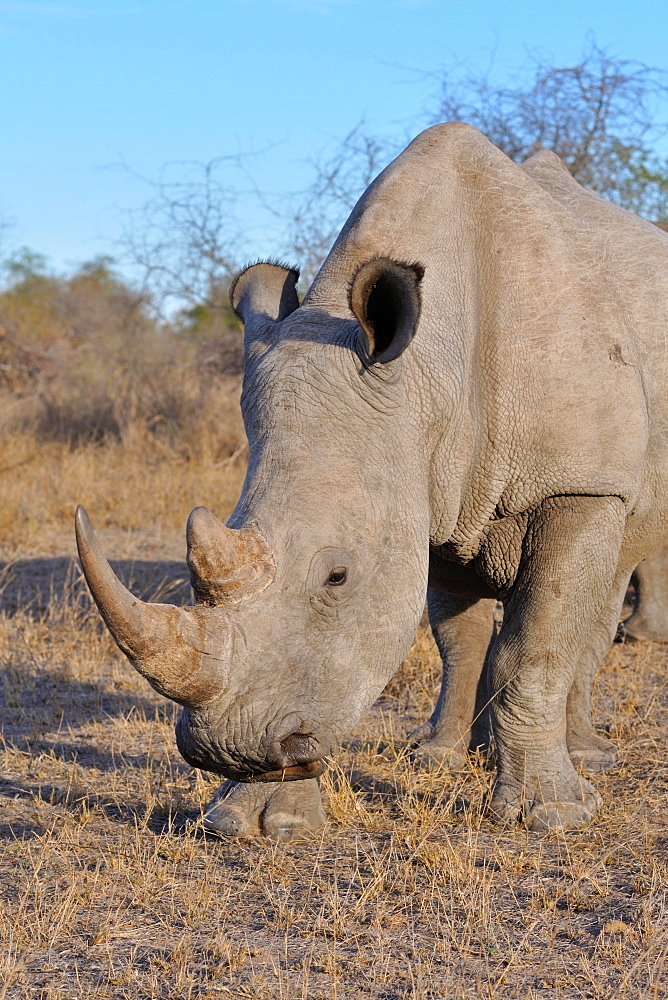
(297, 772)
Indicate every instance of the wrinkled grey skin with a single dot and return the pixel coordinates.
(504, 441)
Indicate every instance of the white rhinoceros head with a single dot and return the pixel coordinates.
(309, 598)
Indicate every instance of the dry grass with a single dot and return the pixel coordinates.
(139, 490)
(145, 462)
(110, 889)
(102, 406)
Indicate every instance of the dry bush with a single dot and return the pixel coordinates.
(102, 406)
(91, 363)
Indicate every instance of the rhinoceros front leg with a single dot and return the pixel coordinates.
(462, 629)
(650, 618)
(586, 747)
(282, 811)
(566, 573)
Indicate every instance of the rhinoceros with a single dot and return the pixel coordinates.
(461, 718)
(650, 579)
(470, 404)
(649, 619)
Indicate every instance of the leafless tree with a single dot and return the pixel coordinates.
(185, 240)
(340, 175)
(599, 116)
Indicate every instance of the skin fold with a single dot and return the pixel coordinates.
(469, 406)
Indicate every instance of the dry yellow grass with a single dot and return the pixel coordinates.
(101, 405)
(110, 889)
(139, 490)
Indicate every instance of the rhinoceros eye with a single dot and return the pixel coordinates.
(337, 577)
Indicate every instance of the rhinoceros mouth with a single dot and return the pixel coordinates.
(297, 772)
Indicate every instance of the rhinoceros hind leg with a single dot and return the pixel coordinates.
(646, 627)
(434, 753)
(649, 621)
(587, 748)
(281, 811)
(594, 754)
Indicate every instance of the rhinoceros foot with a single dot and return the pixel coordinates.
(432, 753)
(439, 750)
(593, 753)
(294, 812)
(281, 811)
(642, 627)
(557, 804)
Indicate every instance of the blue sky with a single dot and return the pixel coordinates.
(90, 84)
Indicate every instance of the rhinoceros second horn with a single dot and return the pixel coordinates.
(226, 565)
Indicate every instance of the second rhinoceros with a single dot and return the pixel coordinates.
(471, 397)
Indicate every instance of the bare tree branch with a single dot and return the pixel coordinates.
(599, 116)
(340, 177)
(185, 239)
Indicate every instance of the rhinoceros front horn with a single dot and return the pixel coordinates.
(226, 565)
(182, 652)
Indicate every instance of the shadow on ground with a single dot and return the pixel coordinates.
(52, 716)
(36, 586)
(41, 703)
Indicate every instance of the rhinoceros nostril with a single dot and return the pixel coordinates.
(298, 748)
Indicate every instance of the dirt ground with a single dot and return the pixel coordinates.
(109, 887)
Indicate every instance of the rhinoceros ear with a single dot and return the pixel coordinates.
(385, 300)
(267, 290)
